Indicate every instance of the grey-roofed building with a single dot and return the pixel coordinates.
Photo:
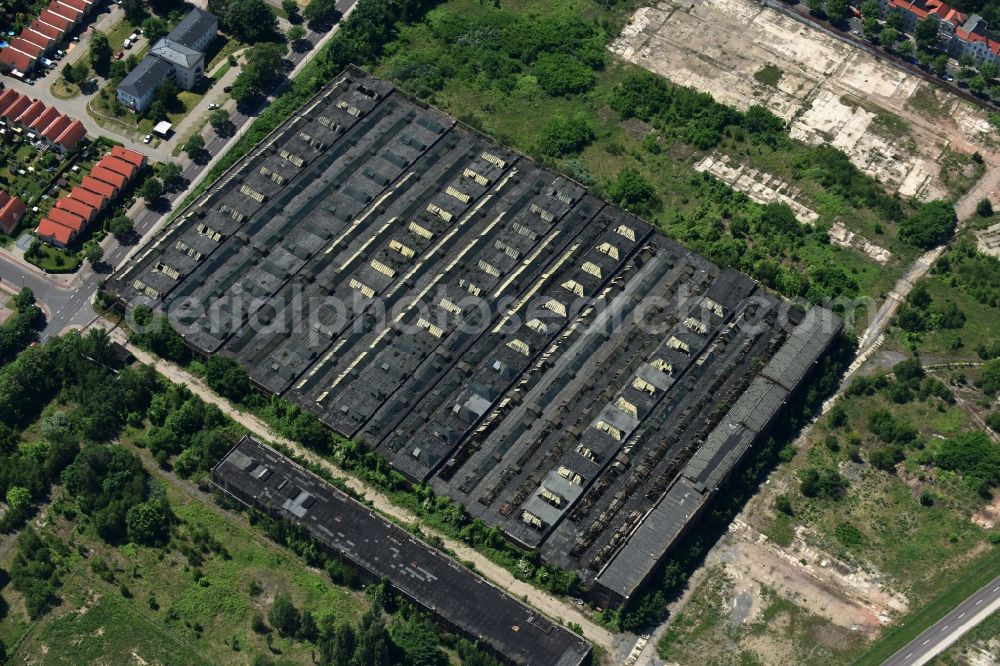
(463, 601)
(179, 57)
(549, 361)
(138, 88)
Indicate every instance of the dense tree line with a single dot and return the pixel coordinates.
(79, 372)
(20, 328)
(501, 51)
(972, 272)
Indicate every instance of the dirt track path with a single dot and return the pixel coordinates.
(547, 603)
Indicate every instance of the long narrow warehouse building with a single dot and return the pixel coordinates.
(260, 477)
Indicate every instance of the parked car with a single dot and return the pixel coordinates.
(76, 39)
(213, 106)
(147, 138)
(227, 89)
(119, 55)
(127, 44)
(60, 53)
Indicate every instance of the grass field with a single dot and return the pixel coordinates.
(777, 632)
(971, 579)
(193, 621)
(901, 538)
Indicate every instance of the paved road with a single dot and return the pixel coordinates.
(66, 299)
(950, 628)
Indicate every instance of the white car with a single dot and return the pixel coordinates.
(213, 106)
(147, 138)
(127, 44)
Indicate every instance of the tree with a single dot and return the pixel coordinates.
(905, 48)
(264, 63)
(150, 190)
(977, 84)
(194, 145)
(563, 74)
(284, 616)
(18, 498)
(825, 484)
(419, 642)
(984, 208)
(154, 28)
(24, 299)
(219, 120)
(156, 110)
(68, 73)
(973, 455)
(632, 190)
(563, 135)
(93, 253)
(926, 34)
(170, 173)
(244, 89)
(100, 52)
(940, 64)
(121, 226)
(989, 70)
(869, 9)
(784, 505)
(894, 20)
(291, 8)
(147, 523)
(80, 71)
(870, 27)
(889, 38)
(320, 11)
(166, 94)
(134, 10)
(836, 10)
(815, 7)
(932, 224)
(295, 34)
(250, 21)
(989, 376)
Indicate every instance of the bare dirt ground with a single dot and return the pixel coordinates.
(893, 125)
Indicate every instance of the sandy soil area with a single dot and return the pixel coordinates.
(893, 125)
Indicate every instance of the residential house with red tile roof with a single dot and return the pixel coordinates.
(92, 199)
(64, 12)
(69, 11)
(67, 219)
(130, 156)
(99, 187)
(30, 114)
(17, 107)
(77, 207)
(108, 176)
(960, 34)
(55, 20)
(44, 119)
(7, 97)
(122, 167)
(52, 132)
(54, 234)
(50, 31)
(23, 45)
(43, 42)
(15, 59)
(70, 137)
(11, 212)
